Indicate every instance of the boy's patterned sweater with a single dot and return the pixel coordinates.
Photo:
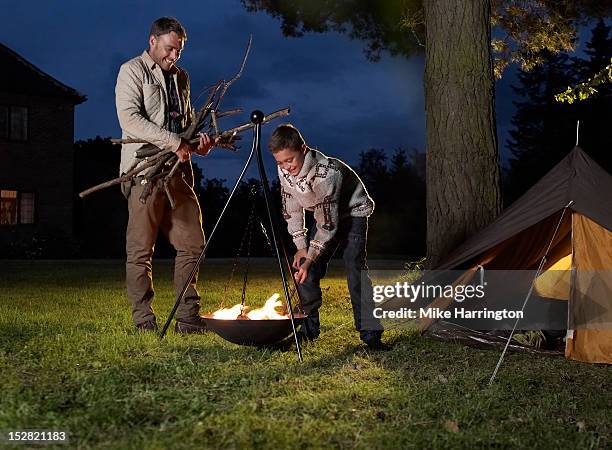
(330, 189)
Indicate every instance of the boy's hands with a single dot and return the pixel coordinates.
(302, 273)
(301, 263)
(303, 253)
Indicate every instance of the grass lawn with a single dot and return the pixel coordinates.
(70, 360)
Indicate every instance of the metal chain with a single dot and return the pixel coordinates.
(292, 289)
(248, 255)
(247, 239)
(243, 240)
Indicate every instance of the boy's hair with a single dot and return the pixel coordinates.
(285, 136)
(165, 25)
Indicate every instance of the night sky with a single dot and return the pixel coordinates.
(342, 102)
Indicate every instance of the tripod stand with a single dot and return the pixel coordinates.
(282, 257)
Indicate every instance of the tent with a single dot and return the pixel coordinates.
(567, 217)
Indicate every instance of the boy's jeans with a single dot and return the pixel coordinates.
(351, 240)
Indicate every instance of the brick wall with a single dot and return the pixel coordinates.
(44, 163)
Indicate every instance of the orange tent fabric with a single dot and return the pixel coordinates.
(590, 311)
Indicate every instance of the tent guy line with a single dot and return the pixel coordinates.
(538, 272)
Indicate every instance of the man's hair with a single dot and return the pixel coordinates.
(285, 136)
(165, 25)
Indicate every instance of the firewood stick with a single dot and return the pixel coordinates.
(200, 118)
(149, 158)
(128, 141)
(230, 112)
(146, 152)
(213, 119)
(151, 161)
(143, 152)
(195, 116)
(238, 74)
(119, 180)
(157, 172)
(169, 195)
(150, 184)
(225, 134)
(248, 126)
(160, 164)
(146, 191)
(123, 178)
(172, 171)
(134, 165)
(167, 180)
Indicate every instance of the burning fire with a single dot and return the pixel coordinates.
(268, 312)
(228, 313)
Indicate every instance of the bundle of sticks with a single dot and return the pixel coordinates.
(153, 163)
(164, 163)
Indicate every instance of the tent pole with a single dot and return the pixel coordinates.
(538, 272)
(577, 132)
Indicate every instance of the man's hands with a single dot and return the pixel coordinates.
(203, 148)
(206, 144)
(184, 150)
(301, 267)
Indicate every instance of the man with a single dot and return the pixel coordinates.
(341, 205)
(152, 99)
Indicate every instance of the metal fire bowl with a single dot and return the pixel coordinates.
(253, 332)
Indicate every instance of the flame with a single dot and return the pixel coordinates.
(228, 313)
(268, 312)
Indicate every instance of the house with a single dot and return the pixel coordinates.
(36, 151)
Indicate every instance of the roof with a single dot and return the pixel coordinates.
(577, 179)
(23, 77)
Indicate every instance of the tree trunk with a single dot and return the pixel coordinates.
(463, 191)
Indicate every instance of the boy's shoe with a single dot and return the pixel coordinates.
(376, 345)
(190, 326)
(147, 327)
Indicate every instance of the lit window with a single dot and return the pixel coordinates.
(8, 207)
(16, 207)
(14, 123)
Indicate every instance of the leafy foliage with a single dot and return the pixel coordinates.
(586, 89)
(544, 130)
(524, 30)
(378, 23)
(529, 28)
(600, 51)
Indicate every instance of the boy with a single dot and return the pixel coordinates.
(341, 205)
